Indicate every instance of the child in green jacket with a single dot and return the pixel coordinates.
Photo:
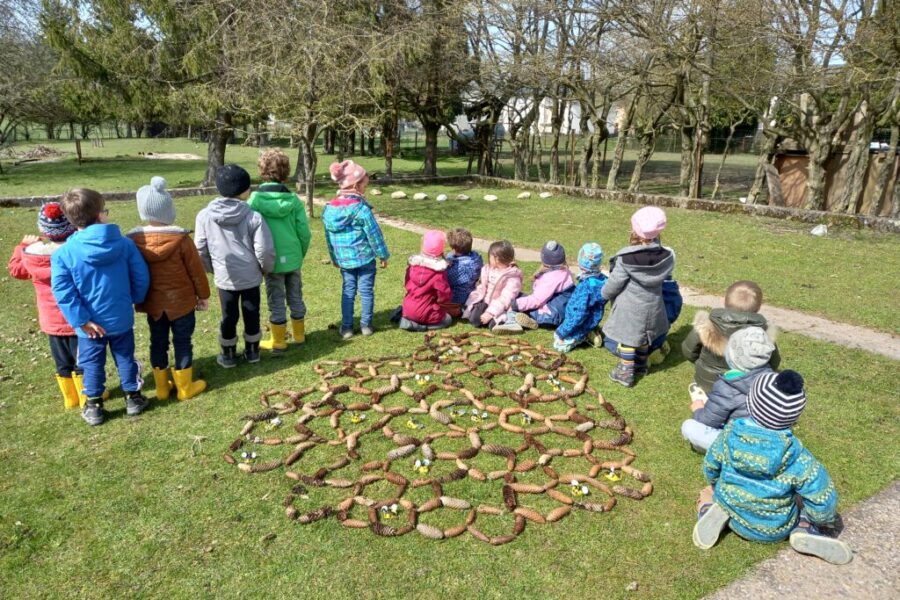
(286, 218)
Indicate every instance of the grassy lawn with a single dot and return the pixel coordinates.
(139, 508)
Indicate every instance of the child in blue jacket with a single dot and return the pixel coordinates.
(96, 278)
(585, 308)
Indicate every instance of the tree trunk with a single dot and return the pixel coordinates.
(139, 128)
(309, 158)
(71, 130)
(371, 141)
(586, 152)
(762, 160)
(362, 142)
(556, 127)
(540, 157)
(118, 131)
(215, 148)
(648, 140)
(50, 132)
(856, 167)
(600, 135)
(129, 133)
(815, 175)
(731, 129)
(388, 133)
(431, 137)
(687, 160)
(886, 170)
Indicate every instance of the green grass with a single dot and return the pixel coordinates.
(135, 508)
(848, 276)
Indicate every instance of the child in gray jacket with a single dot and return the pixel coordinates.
(236, 246)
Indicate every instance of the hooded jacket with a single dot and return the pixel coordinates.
(353, 235)
(756, 472)
(234, 243)
(705, 344)
(497, 288)
(463, 274)
(728, 398)
(177, 277)
(638, 314)
(426, 289)
(98, 275)
(286, 218)
(546, 285)
(33, 262)
(585, 308)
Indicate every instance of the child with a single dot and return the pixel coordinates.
(286, 218)
(499, 284)
(550, 291)
(427, 288)
(747, 355)
(236, 247)
(354, 242)
(758, 471)
(638, 314)
(31, 260)
(465, 267)
(178, 285)
(584, 310)
(97, 276)
(705, 344)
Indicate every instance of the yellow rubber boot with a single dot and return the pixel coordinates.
(163, 385)
(187, 388)
(276, 342)
(78, 381)
(298, 330)
(69, 393)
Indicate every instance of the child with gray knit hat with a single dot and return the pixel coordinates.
(551, 288)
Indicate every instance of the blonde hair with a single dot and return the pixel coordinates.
(744, 296)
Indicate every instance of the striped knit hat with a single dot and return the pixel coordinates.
(776, 399)
(52, 222)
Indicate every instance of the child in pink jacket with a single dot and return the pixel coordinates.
(498, 286)
(550, 292)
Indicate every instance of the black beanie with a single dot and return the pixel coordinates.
(232, 180)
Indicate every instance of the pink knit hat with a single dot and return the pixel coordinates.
(433, 243)
(347, 174)
(648, 222)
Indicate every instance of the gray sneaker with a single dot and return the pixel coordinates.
(135, 403)
(92, 413)
(709, 526)
(228, 358)
(808, 540)
(346, 334)
(366, 330)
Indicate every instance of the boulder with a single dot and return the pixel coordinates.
(420, 196)
(545, 194)
(524, 196)
(462, 197)
(375, 192)
(398, 195)
(490, 197)
(441, 198)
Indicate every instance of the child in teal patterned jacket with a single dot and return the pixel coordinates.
(765, 485)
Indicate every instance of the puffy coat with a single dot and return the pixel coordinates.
(546, 285)
(638, 314)
(728, 398)
(463, 274)
(286, 218)
(98, 275)
(352, 233)
(235, 244)
(705, 344)
(584, 310)
(426, 289)
(498, 288)
(33, 262)
(177, 277)
(756, 472)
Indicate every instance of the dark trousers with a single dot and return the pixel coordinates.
(475, 315)
(182, 329)
(234, 304)
(64, 350)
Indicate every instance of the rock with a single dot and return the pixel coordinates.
(420, 196)
(820, 230)
(462, 197)
(490, 197)
(398, 195)
(545, 195)
(441, 198)
(375, 192)
(523, 196)
(631, 587)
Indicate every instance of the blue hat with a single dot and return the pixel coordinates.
(590, 257)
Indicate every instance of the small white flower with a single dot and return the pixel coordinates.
(574, 483)
(585, 490)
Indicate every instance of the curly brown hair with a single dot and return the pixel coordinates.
(460, 240)
(274, 165)
(82, 206)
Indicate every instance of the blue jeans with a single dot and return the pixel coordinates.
(182, 329)
(362, 279)
(698, 434)
(92, 359)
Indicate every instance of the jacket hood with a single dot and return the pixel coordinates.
(648, 265)
(339, 217)
(429, 262)
(760, 453)
(728, 321)
(228, 212)
(157, 243)
(274, 201)
(715, 327)
(42, 248)
(100, 244)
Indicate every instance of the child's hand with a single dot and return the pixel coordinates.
(93, 330)
(202, 304)
(30, 239)
(384, 263)
(697, 405)
(485, 318)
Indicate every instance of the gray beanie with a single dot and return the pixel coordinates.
(155, 203)
(553, 254)
(748, 348)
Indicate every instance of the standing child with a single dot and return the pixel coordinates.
(286, 218)
(550, 291)
(464, 270)
(638, 314)
(354, 242)
(236, 247)
(765, 485)
(97, 276)
(427, 288)
(499, 284)
(178, 286)
(31, 260)
(584, 310)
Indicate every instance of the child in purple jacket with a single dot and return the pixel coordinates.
(550, 292)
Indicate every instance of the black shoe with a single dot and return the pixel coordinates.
(228, 358)
(135, 403)
(92, 413)
(251, 352)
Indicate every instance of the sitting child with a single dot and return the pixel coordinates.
(747, 355)
(550, 291)
(758, 471)
(427, 288)
(705, 344)
(584, 310)
(464, 268)
(499, 284)
(638, 314)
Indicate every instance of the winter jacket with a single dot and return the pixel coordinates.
(98, 275)
(672, 299)
(757, 471)
(235, 244)
(546, 285)
(497, 288)
(286, 218)
(33, 262)
(638, 314)
(426, 289)
(353, 235)
(177, 277)
(705, 344)
(728, 398)
(585, 308)
(463, 274)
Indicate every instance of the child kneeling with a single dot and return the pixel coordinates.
(427, 288)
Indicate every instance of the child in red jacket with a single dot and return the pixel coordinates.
(427, 287)
(31, 260)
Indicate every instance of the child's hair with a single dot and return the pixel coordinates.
(460, 240)
(274, 165)
(743, 296)
(82, 206)
(503, 252)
